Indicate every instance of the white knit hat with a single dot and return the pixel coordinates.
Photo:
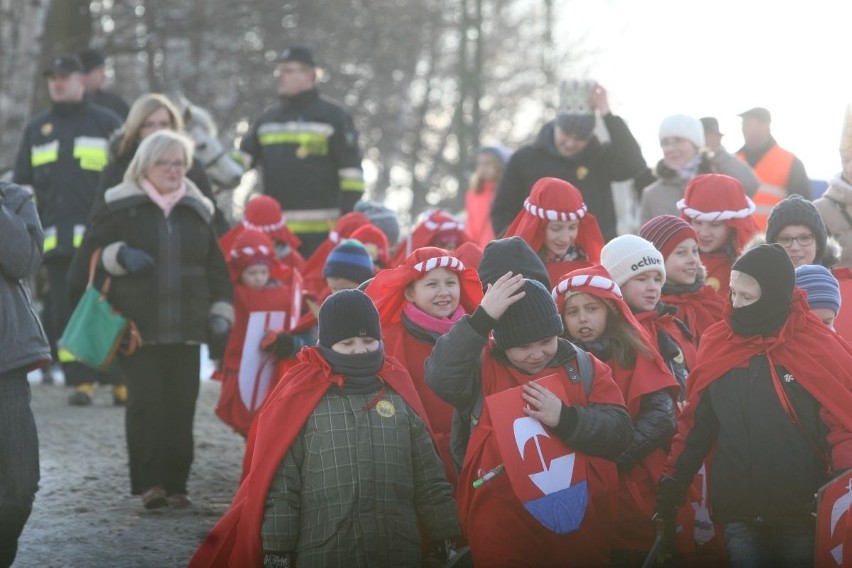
(628, 255)
(683, 126)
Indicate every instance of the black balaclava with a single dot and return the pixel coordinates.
(771, 266)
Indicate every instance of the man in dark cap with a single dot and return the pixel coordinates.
(94, 77)
(61, 155)
(566, 148)
(780, 172)
(307, 149)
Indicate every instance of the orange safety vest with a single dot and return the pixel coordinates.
(773, 171)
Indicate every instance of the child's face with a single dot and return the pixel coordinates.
(533, 357)
(356, 345)
(826, 316)
(712, 235)
(337, 283)
(745, 290)
(255, 276)
(437, 293)
(682, 263)
(642, 292)
(585, 317)
(560, 235)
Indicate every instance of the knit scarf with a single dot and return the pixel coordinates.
(165, 201)
(431, 323)
(359, 371)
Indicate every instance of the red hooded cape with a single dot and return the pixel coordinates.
(235, 540)
(388, 293)
(477, 205)
(698, 310)
(263, 213)
(376, 243)
(652, 321)
(553, 199)
(343, 229)
(718, 267)
(437, 228)
(500, 530)
(638, 488)
(820, 360)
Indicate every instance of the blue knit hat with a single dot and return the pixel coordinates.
(350, 260)
(821, 286)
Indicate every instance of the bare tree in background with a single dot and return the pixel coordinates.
(427, 81)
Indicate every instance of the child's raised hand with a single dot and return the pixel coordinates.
(502, 294)
(542, 404)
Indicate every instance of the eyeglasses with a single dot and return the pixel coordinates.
(176, 164)
(803, 240)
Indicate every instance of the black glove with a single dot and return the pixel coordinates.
(219, 328)
(277, 559)
(135, 260)
(671, 494)
(279, 343)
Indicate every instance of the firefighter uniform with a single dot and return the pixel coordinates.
(307, 148)
(61, 156)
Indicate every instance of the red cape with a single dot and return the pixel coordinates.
(698, 310)
(312, 272)
(820, 360)
(478, 207)
(283, 236)
(500, 530)
(652, 321)
(235, 540)
(718, 266)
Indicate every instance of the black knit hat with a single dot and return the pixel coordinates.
(345, 314)
(349, 260)
(512, 253)
(771, 266)
(532, 318)
(299, 54)
(796, 210)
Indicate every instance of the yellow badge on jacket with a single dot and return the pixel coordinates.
(385, 408)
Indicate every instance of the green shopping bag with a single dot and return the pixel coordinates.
(96, 332)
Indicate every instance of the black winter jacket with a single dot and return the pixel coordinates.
(765, 467)
(171, 303)
(454, 373)
(592, 171)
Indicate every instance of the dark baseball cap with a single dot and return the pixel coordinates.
(711, 125)
(297, 53)
(758, 113)
(91, 58)
(63, 64)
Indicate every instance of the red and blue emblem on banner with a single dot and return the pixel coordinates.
(548, 477)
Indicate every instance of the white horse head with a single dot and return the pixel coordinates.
(223, 171)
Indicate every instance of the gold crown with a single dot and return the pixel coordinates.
(575, 97)
(846, 134)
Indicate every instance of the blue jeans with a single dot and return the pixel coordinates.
(759, 545)
(19, 469)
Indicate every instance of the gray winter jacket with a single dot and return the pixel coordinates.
(23, 343)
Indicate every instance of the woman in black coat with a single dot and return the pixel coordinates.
(169, 276)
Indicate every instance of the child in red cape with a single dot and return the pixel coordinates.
(341, 466)
(490, 161)
(418, 301)
(698, 305)
(597, 320)
(771, 395)
(343, 229)
(508, 521)
(437, 229)
(639, 270)
(558, 226)
(262, 301)
(376, 243)
(264, 214)
(718, 208)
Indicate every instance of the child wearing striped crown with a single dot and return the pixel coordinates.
(718, 208)
(556, 223)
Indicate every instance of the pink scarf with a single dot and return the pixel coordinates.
(431, 323)
(166, 201)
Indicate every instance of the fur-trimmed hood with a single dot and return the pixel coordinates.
(830, 256)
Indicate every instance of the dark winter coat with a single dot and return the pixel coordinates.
(23, 343)
(172, 302)
(454, 372)
(592, 171)
(62, 153)
(765, 467)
